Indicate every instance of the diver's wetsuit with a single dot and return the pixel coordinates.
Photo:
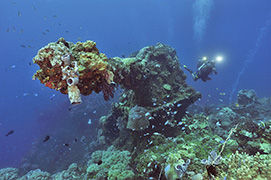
(204, 69)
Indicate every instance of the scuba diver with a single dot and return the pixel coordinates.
(204, 69)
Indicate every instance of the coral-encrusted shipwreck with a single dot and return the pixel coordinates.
(153, 74)
(154, 84)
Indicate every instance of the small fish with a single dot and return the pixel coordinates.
(23, 46)
(79, 38)
(59, 24)
(51, 97)
(19, 13)
(47, 30)
(13, 2)
(218, 123)
(43, 33)
(10, 132)
(123, 56)
(70, 108)
(46, 138)
(21, 31)
(26, 94)
(13, 28)
(75, 139)
(12, 66)
(261, 124)
(29, 63)
(30, 46)
(66, 31)
(54, 16)
(89, 121)
(8, 30)
(66, 144)
(35, 94)
(45, 18)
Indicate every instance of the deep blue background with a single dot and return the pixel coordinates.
(121, 27)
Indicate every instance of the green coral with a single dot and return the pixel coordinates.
(242, 166)
(167, 87)
(71, 173)
(193, 144)
(36, 175)
(111, 164)
(266, 147)
(9, 173)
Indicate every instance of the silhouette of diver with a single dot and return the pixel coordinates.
(204, 69)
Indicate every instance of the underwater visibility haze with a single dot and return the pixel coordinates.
(135, 89)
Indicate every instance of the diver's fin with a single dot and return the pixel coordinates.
(189, 70)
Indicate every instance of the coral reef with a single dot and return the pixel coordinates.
(8, 173)
(246, 97)
(147, 154)
(149, 134)
(138, 118)
(111, 164)
(241, 166)
(152, 79)
(255, 136)
(36, 175)
(71, 173)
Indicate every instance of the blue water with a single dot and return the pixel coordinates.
(236, 29)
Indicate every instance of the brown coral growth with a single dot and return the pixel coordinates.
(93, 68)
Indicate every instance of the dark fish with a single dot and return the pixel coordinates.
(54, 16)
(23, 46)
(75, 139)
(59, 24)
(43, 33)
(46, 138)
(100, 162)
(29, 63)
(123, 56)
(13, 28)
(30, 46)
(10, 132)
(19, 13)
(47, 30)
(8, 30)
(66, 31)
(70, 108)
(66, 145)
